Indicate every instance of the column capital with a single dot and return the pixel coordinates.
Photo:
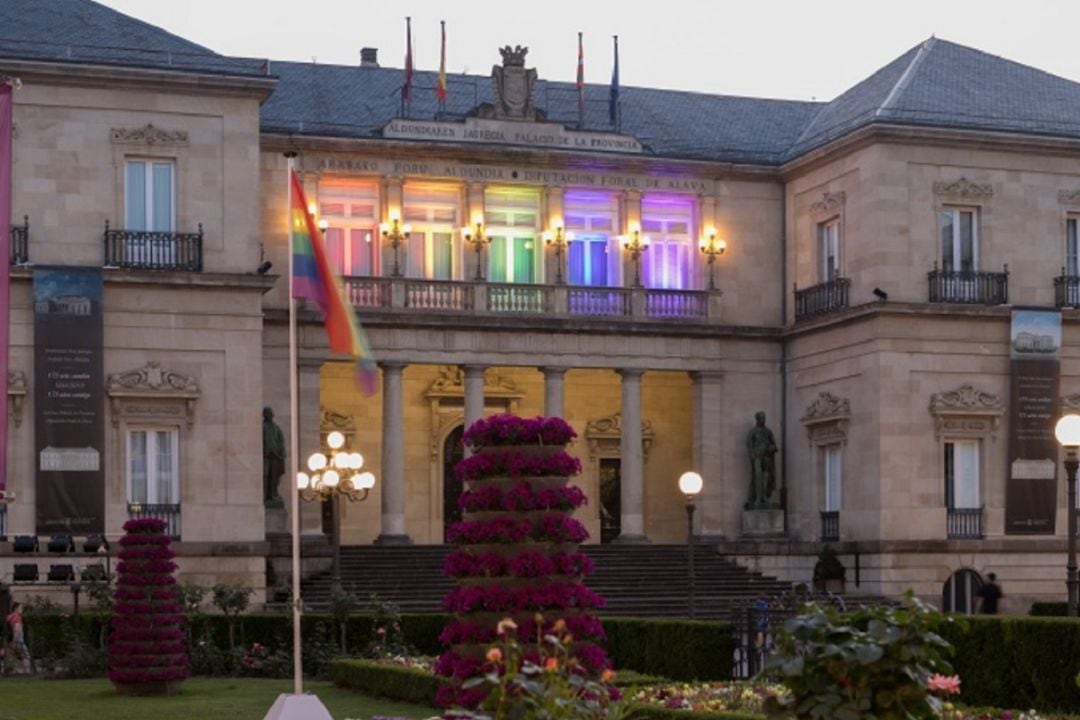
(553, 369)
(474, 369)
(631, 373)
(392, 365)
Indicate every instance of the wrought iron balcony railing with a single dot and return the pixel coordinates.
(20, 242)
(1067, 290)
(477, 297)
(822, 298)
(972, 288)
(170, 513)
(830, 525)
(964, 523)
(152, 250)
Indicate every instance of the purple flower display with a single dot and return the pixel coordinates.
(146, 648)
(516, 556)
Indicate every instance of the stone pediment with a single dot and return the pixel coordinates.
(964, 188)
(156, 384)
(829, 204)
(966, 412)
(604, 436)
(826, 408)
(148, 135)
(451, 384)
(1069, 197)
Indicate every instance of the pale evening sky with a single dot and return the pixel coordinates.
(787, 49)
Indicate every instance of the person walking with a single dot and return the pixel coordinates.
(988, 595)
(17, 633)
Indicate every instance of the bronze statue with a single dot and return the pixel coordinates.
(761, 445)
(273, 457)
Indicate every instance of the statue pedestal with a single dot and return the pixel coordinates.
(763, 523)
(277, 520)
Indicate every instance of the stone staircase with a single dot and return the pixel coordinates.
(642, 580)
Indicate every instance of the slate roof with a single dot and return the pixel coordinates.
(935, 84)
(86, 32)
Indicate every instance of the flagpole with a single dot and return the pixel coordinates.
(294, 452)
(580, 82)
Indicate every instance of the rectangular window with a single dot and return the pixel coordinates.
(512, 218)
(831, 472)
(1071, 266)
(591, 216)
(149, 196)
(829, 250)
(959, 231)
(668, 221)
(351, 213)
(434, 212)
(962, 474)
(153, 466)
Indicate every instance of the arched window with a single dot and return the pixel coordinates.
(960, 592)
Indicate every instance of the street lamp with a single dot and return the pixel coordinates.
(395, 233)
(690, 485)
(636, 243)
(712, 246)
(332, 478)
(558, 239)
(1067, 432)
(475, 236)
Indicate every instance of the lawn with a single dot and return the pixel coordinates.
(202, 698)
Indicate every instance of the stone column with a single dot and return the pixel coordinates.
(553, 391)
(474, 395)
(393, 458)
(632, 495)
(708, 451)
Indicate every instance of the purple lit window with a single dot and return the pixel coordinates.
(591, 217)
(668, 221)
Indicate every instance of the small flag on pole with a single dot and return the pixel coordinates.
(613, 103)
(580, 77)
(314, 280)
(406, 90)
(440, 89)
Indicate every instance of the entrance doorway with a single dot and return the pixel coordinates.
(960, 591)
(610, 495)
(453, 453)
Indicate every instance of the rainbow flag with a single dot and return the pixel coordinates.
(314, 280)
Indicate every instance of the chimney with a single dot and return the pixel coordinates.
(369, 57)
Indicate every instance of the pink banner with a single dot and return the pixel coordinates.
(5, 276)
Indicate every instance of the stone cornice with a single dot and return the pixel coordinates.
(148, 135)
(112, 76)
(245, 281)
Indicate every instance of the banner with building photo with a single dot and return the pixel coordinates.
(1035, 365)
(69, 401)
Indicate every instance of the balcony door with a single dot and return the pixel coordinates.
(149, 208)
(512, 218)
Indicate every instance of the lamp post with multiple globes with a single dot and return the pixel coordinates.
(690, 484)
(636, 243)
(333, 477)
(474, 235)
(558, 238)
(711, 246)
(395, 233)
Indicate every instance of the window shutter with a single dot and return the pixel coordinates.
(135, 196)
(575, 257)
(138, 462)
(497, 259)
(523, 259)
(832, 477)
(966, 474)
(162, 199)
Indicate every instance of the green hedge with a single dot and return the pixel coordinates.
(642, 711)
(388, 681)
(676, 649)
(1020, 662)
(1047, 609)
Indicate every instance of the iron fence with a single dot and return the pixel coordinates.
(20, 242)
(170, 513)
(830, 525)
(964, 523)
(971, 288)
(153, 250)
(822, 298)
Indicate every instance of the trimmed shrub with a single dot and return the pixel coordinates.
(1018, 662)
(388, 681)
(1048, 609)
(706, 650)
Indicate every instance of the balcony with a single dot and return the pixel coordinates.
(822, 299)
(170, 513)
(20, 242)
(1067, 290)
(964, 523)
(830, 525)
(483, 298)
(152, 250)
(970, 288)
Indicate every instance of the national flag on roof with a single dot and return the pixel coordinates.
(313, 279)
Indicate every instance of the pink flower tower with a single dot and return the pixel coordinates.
(147, 654)
(517, 550)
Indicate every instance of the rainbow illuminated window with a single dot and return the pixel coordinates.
(350, 210)
(433, 211)
(668, 220)
(512, 225)
(592, 217)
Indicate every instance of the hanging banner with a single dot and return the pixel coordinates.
(69, 400)
(1035, 360)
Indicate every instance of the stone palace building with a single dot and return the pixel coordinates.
(656, 273)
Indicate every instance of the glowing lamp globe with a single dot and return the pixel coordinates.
(331, 478)
(1067, 430)
(302, 481)
(690, 483)
(364, 481)
(335, 440)
(316, 462)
